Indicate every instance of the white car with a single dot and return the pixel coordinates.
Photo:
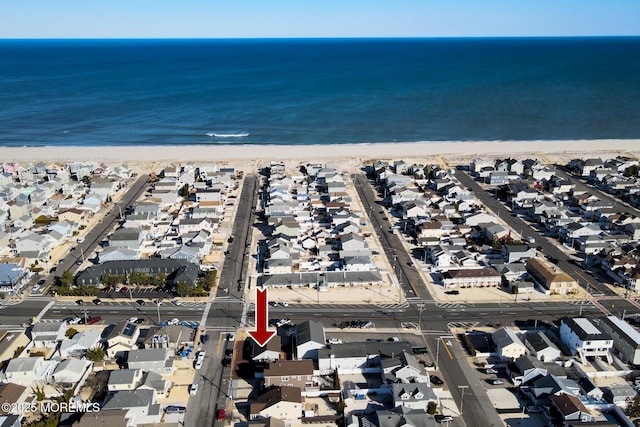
(132, 319)
(200, 355)
(173, 322)
(334, 341)
(231, 337)
(35, 288)
(199, 363)
(176, 302)
(75, 321)
(283, 322)
(193, 389)
(491, 371)
(284, 303)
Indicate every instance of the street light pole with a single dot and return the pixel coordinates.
(463, 388)
(421, 308)
(158, 306)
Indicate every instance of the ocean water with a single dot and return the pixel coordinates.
(333, 91)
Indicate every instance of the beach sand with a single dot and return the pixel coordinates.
(349, 154)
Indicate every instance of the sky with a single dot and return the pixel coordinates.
(316, 18)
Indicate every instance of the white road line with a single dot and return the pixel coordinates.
(44, 310)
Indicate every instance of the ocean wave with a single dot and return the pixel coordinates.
(227, 135)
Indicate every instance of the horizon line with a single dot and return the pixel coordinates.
(324, 37)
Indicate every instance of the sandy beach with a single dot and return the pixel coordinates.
(353, 153)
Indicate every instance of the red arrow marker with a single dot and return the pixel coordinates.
(261, 335)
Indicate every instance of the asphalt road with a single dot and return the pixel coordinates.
(548, 248)
(231, 284)
(410, 280)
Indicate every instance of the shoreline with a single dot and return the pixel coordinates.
(362, 151)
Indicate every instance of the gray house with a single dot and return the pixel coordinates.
(152, 359)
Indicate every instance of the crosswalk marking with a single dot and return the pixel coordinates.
(449, 305)
(463, 325)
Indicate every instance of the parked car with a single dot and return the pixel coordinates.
(173, 321)
(97, 301)
(231, 337)
(436, 380)
(41, 282)
(491, 371)
(176, 302)
(79, 301)
(334, 341)
(221, 414)
(175, 409)
(132, 319)
(443, 418)
(393, 339)
(93, 320)
(199, 363)
(204, 338)
(200, 355)
(74, 321)
(452, 292)
(193, 389)
(497, 382)
(284, 303)
(273, 304)
(140, 302)
(35, 288)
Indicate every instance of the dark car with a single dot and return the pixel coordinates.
(436, 380)
(97, 301)
(141, 302)
(453, 292)
(41, 282)
(204, 339)
(80, 302)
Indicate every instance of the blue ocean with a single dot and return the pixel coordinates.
(317, 91)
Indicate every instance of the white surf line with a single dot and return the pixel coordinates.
(44, 310)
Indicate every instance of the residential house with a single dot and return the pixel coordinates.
(13, 395)
(570, 409)
(508, 345)
(471, 277)
(413, 395)
(515, 253)
(124, 379)
(80, 343)
(117, 254)
(176, 270)
(403, 368)
(172, 337)
(157, 360)
(140, 405)
(121, 338)
(290, 373)
(71, 371)
(28, 371)
(309, 337)
(551, 278)
(48, 334)
(283, 403)
(626, 339)
(130, 238)
(355, 357)
(270, 352)
(585, 339)
(541, 346)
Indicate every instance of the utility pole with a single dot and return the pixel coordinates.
(421, 308)
(463, 388)
(158, 302)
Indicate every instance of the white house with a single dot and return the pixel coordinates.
(71, 371)
(584, 338)
(29, 371)
(80, 343)
(508, 344)
(309, 338)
